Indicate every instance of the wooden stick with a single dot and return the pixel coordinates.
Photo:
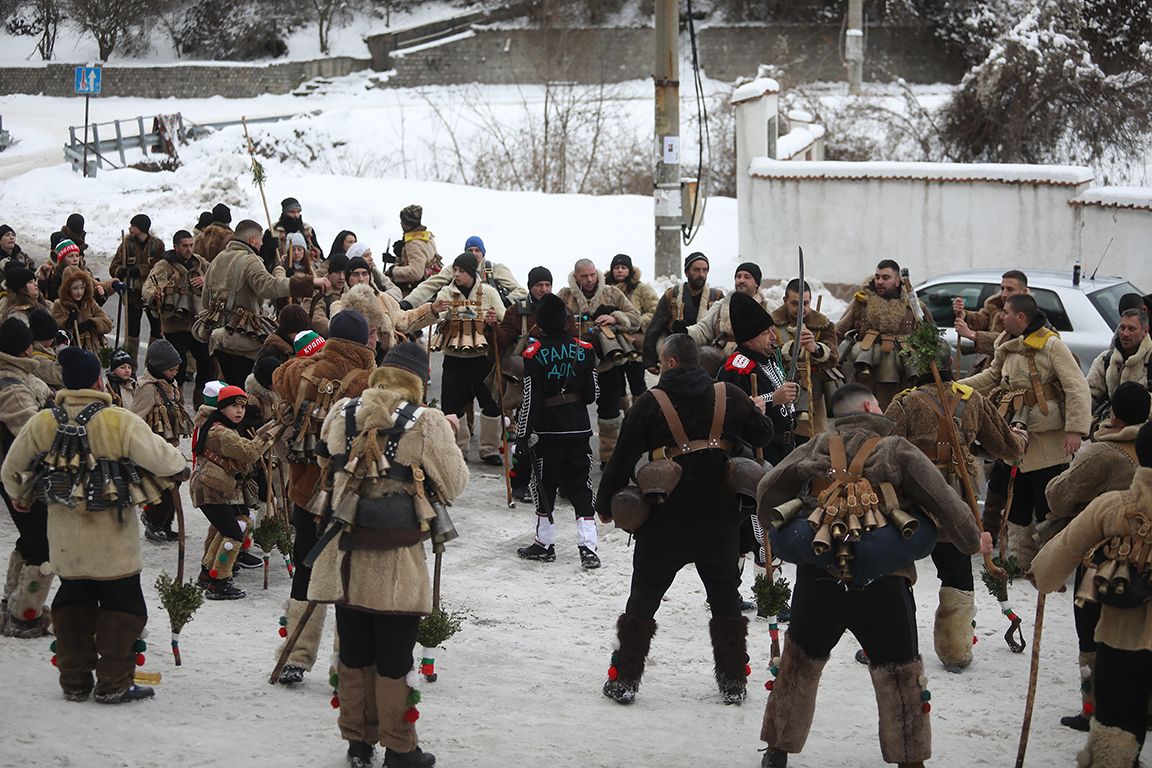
(288, 646)
(176, 502)
(436, 581)
(1024, 731)
(504, 430)
(252, 155)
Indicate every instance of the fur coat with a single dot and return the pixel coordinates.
(1107, 464)
(20, 305)
(642, 296)
(171, 271)
(670, 309)
(152, 393)
(987, 322)
(488, 299)
(92, 322)
(868, 311)
(491, 273)
(214, 484)
(132, 254)
(215, 236)
(93, 545)
(393, 581)
(825, 358)
(1103, 380)
(384, 313)
(20, 402)
(418, 253)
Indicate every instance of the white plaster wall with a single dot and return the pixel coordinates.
(1130, 230)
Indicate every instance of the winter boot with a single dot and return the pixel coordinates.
(1083, 721)
(537, 552)
(303, 654)
(905, 729)
(24, 617)
(774, 759)
(417, 758)
(730, 654)
(792, 702)
(609, 430)
(586, 543)
(75, 628)
(397, 734)
(490, 441)
(633, 639)
(358, 720)
(360, 754)
(1108, 747)
(953, 630)
(463, 438)
(158, 517)
(116, 636)
(994, 503)
(1021, 543)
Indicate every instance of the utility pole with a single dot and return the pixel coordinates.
(854, 45)
(667, 134)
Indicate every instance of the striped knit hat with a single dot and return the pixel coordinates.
(212, 392)
(308, 343)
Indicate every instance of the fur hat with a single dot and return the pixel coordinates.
(349, 324)
(292, 320)
(161, 356)
(76, 224)
(43, 325)
(551, 314)
(15, 337)
(361, 298)
(1130, 402)
(231, 396)
(408, 356)
(307, 343)
(263, 371)
(141, 222)
(289, 204)
(221, 214)
(411, 215)
(749, 319)
(118, 358)
(66, 248)
(18, 277)
(475, 241)
(752, 269)
(297, 239)
(79, 368)
(468, 263)
(538, 275)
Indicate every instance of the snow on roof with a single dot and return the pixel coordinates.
(800, 116)
(1056, 175)
(761, 86)
(1116, 197)
(797, 140)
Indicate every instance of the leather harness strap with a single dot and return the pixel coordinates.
(683, 444)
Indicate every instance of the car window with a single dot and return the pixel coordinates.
(1053, 307)
(938, 298)
(1107, 301)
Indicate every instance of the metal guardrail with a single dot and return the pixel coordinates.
(5, 137)
(101, 151)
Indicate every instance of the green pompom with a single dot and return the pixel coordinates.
(925, 695)
(52, 647)
(413, 698)
(283, 621)
(1086, 686)
(33, 586)
(615, 659)
(222, 557)
(333, 680)
(139, 646)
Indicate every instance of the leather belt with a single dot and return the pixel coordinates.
(552, 402)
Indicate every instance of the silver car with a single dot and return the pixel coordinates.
(1085, 315)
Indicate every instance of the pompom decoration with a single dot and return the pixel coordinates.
(335, 702)
(213, 574)
(427, 669)
(412, 715)
(30, 614)
(52, 647)
(283, 621)
(222, 558)
(975, 639)
(768, 685)
(1089, 708)
(612, 673)
(283, 631)
(139, 659)
(413, 698)
(926, 708)
(334, 680)
(747, 671)
(1085, 686)
(227, 548)
(247, 543)
(140, 646)
(925, 695)
(501, 449)
(144, 634)
(33, 586)
(53, 659)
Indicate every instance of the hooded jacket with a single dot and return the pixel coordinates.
(418, 253)
(91, 320)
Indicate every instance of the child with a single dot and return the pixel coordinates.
(158, 401)
(121, 382)
(77, 312)
(224, 462)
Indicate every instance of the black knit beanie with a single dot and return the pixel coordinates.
(408, 356)
(551, 314)
(1130, 402)
(468, 263)
(538, 275)
(15, 337)
(43, 325)
(752, 269)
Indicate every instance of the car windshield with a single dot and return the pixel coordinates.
(1107, 301)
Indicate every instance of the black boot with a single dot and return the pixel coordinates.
(417, 758)
(635, 638)
(360, 754)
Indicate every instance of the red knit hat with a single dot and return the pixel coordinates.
(231, 396)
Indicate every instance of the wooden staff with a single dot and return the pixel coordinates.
(288, 646)
(436, 581)
(1031, 681)
(179, 505)
(760, 450)
(503, 433)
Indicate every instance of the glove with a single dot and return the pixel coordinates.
(73, 317)
(405, 305)
(119, 286)
(679, 326)
(86, 326)
(121, 273)
(134, 272)
(398, 247)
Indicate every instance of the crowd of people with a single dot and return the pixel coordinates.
(727, 425)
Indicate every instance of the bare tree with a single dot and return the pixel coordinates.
(34, 17)
(110, 21)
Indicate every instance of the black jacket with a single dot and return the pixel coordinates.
(556, 365)
(744, 364)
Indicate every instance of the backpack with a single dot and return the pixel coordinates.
(309, 410)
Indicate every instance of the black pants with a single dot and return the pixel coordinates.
(632, 374)
(564, 462)
(1028, 500)
(611, 389)
(383, 640)
(656, 563)
(882, 616)
(223, 517)
(953, 567)
(306, 538)
(1086, 618)
(112, 595)
(463, 382)
(162, 512)
(234, 369)
(1123, 685)
(133, 314)
(32, 543)
(185, 342)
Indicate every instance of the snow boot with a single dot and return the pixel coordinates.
(158, 517)
(303, 655)
(633, 639)
(358, 719)
(1108, 747)
(774, 759)
(116, 636)
(905, 727)
(490, 441)
(953, 630)
(730, 654)
(609, 430)
(360, 754)
(247, 561)
(417, 758)
(1083, 721)
(397, 734)
(792, 702)
(589, 560)
(76, 657)
(24, 617)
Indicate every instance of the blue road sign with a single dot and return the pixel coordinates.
(88, 80)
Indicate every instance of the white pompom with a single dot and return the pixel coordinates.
(334, 661)
(615, 643)
(243, 525)
(144, 633)
(228, 546)
(413, 679)
(285, 605)
(507, 421)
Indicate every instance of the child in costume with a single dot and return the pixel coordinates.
(121, 383)
(77, 312)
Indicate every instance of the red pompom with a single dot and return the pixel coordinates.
(1088, 708)
(139, 659)
(283, 631)
(612, 673)
(747, 671)
(427, 669)
(247, 543)
(926, 708)
(30, 615)
(975, 639)
(53, 660)
(412, 715)
(768, 685)
(335, 702)
(213, 574)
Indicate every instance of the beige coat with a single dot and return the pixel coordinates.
(487, 270)
(581, 306)
(488, 299)
(411, 268)
(1010, 371)
(147, 397)
(165, 273)
(1108, 464)
(82, 544)
(384, 313)
(19, 402)
(20, 305)
(825, 358)
(47, 366)
(1103, 380)
(642, 296)
(214, 484)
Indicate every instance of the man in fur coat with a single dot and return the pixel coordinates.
(919, 418)
(98, 612)
(216, 235)
(882, 613)
(134, 259)
(21, 396)
(348, 361)
(418, 257)
(495, 276)
(874, 329)
(699, 523)
(1129, 358)
(1035, 378)
(984, 325)
(680, 307)
(598, 306)
(715, 327)
(818, 349)
(1106, 464)
(1123, 647)
(378, 577)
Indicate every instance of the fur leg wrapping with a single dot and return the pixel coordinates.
(116, 634)
(15, 565)
(308, 644)
(358, 720)
(463, 437)
(220, 555)
(1021, 543)
(953, 630)
(634, 637)
(396, 733)
(792, 702)
(75, 627)
(609, 429)
(1088, 684)
(905, 729)
(26, 603)
(490, 436)
(730, 652)
(1108, 747)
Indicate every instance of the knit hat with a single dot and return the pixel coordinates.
(693, 258)
(289, 204)
(468, 263)
(1130, 402)
(118, 358)
(67, 247)
(43, 325)
(76, 224)
(551, 314)
(221, 213)
(411, 215)
(749, 319)
(355, 264)
(307, 343)
(54, 240)
(161, 356)
(231, 396)
(5, 229)
(212, 391)
(408, 356)
(79, 368)
(349, 324)
(263, 371)
(621, 260)
(204, 221)
(538, 275)
(18, 277)
(356, 251)
(1127, 301)
(297, 239)
(15, 337)
(291, 321)
(141, 222)
(337, 263)
(475, 241)
(752, 269)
